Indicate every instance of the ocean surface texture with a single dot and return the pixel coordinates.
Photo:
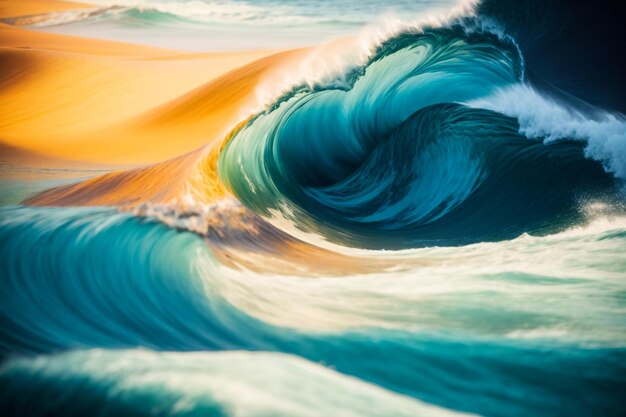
(432, 224)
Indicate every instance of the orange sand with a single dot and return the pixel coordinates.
(69, 101)
(18, 8)
(101, 102)
(89, 100)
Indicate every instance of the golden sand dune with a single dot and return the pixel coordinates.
(155, 183)
(79, 104)
(199, 120)
(101, 102)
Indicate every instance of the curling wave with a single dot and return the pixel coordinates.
(394, 160)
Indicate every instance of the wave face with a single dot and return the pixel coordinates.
(438, 229)
(396, 160)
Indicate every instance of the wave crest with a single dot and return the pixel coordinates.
(390, 151)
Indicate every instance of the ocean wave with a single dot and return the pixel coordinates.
(125, 16)
(141, 382)
(225, 12)
(78, 259)
(541, 117)
(240, 24)
(387, 158)
(95, 278)
(468, 204)
(163, 13)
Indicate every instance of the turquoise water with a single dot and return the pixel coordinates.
(542, 315)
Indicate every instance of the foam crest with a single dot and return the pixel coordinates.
(244, 384)
(541, 116)
(331, 63)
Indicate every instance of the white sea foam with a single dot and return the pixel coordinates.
(246, 384)
(329, 63)
(541, 116)
(529, 281)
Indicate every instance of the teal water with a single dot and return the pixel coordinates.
(543, 314)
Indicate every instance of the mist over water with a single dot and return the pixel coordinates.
(233, 25)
